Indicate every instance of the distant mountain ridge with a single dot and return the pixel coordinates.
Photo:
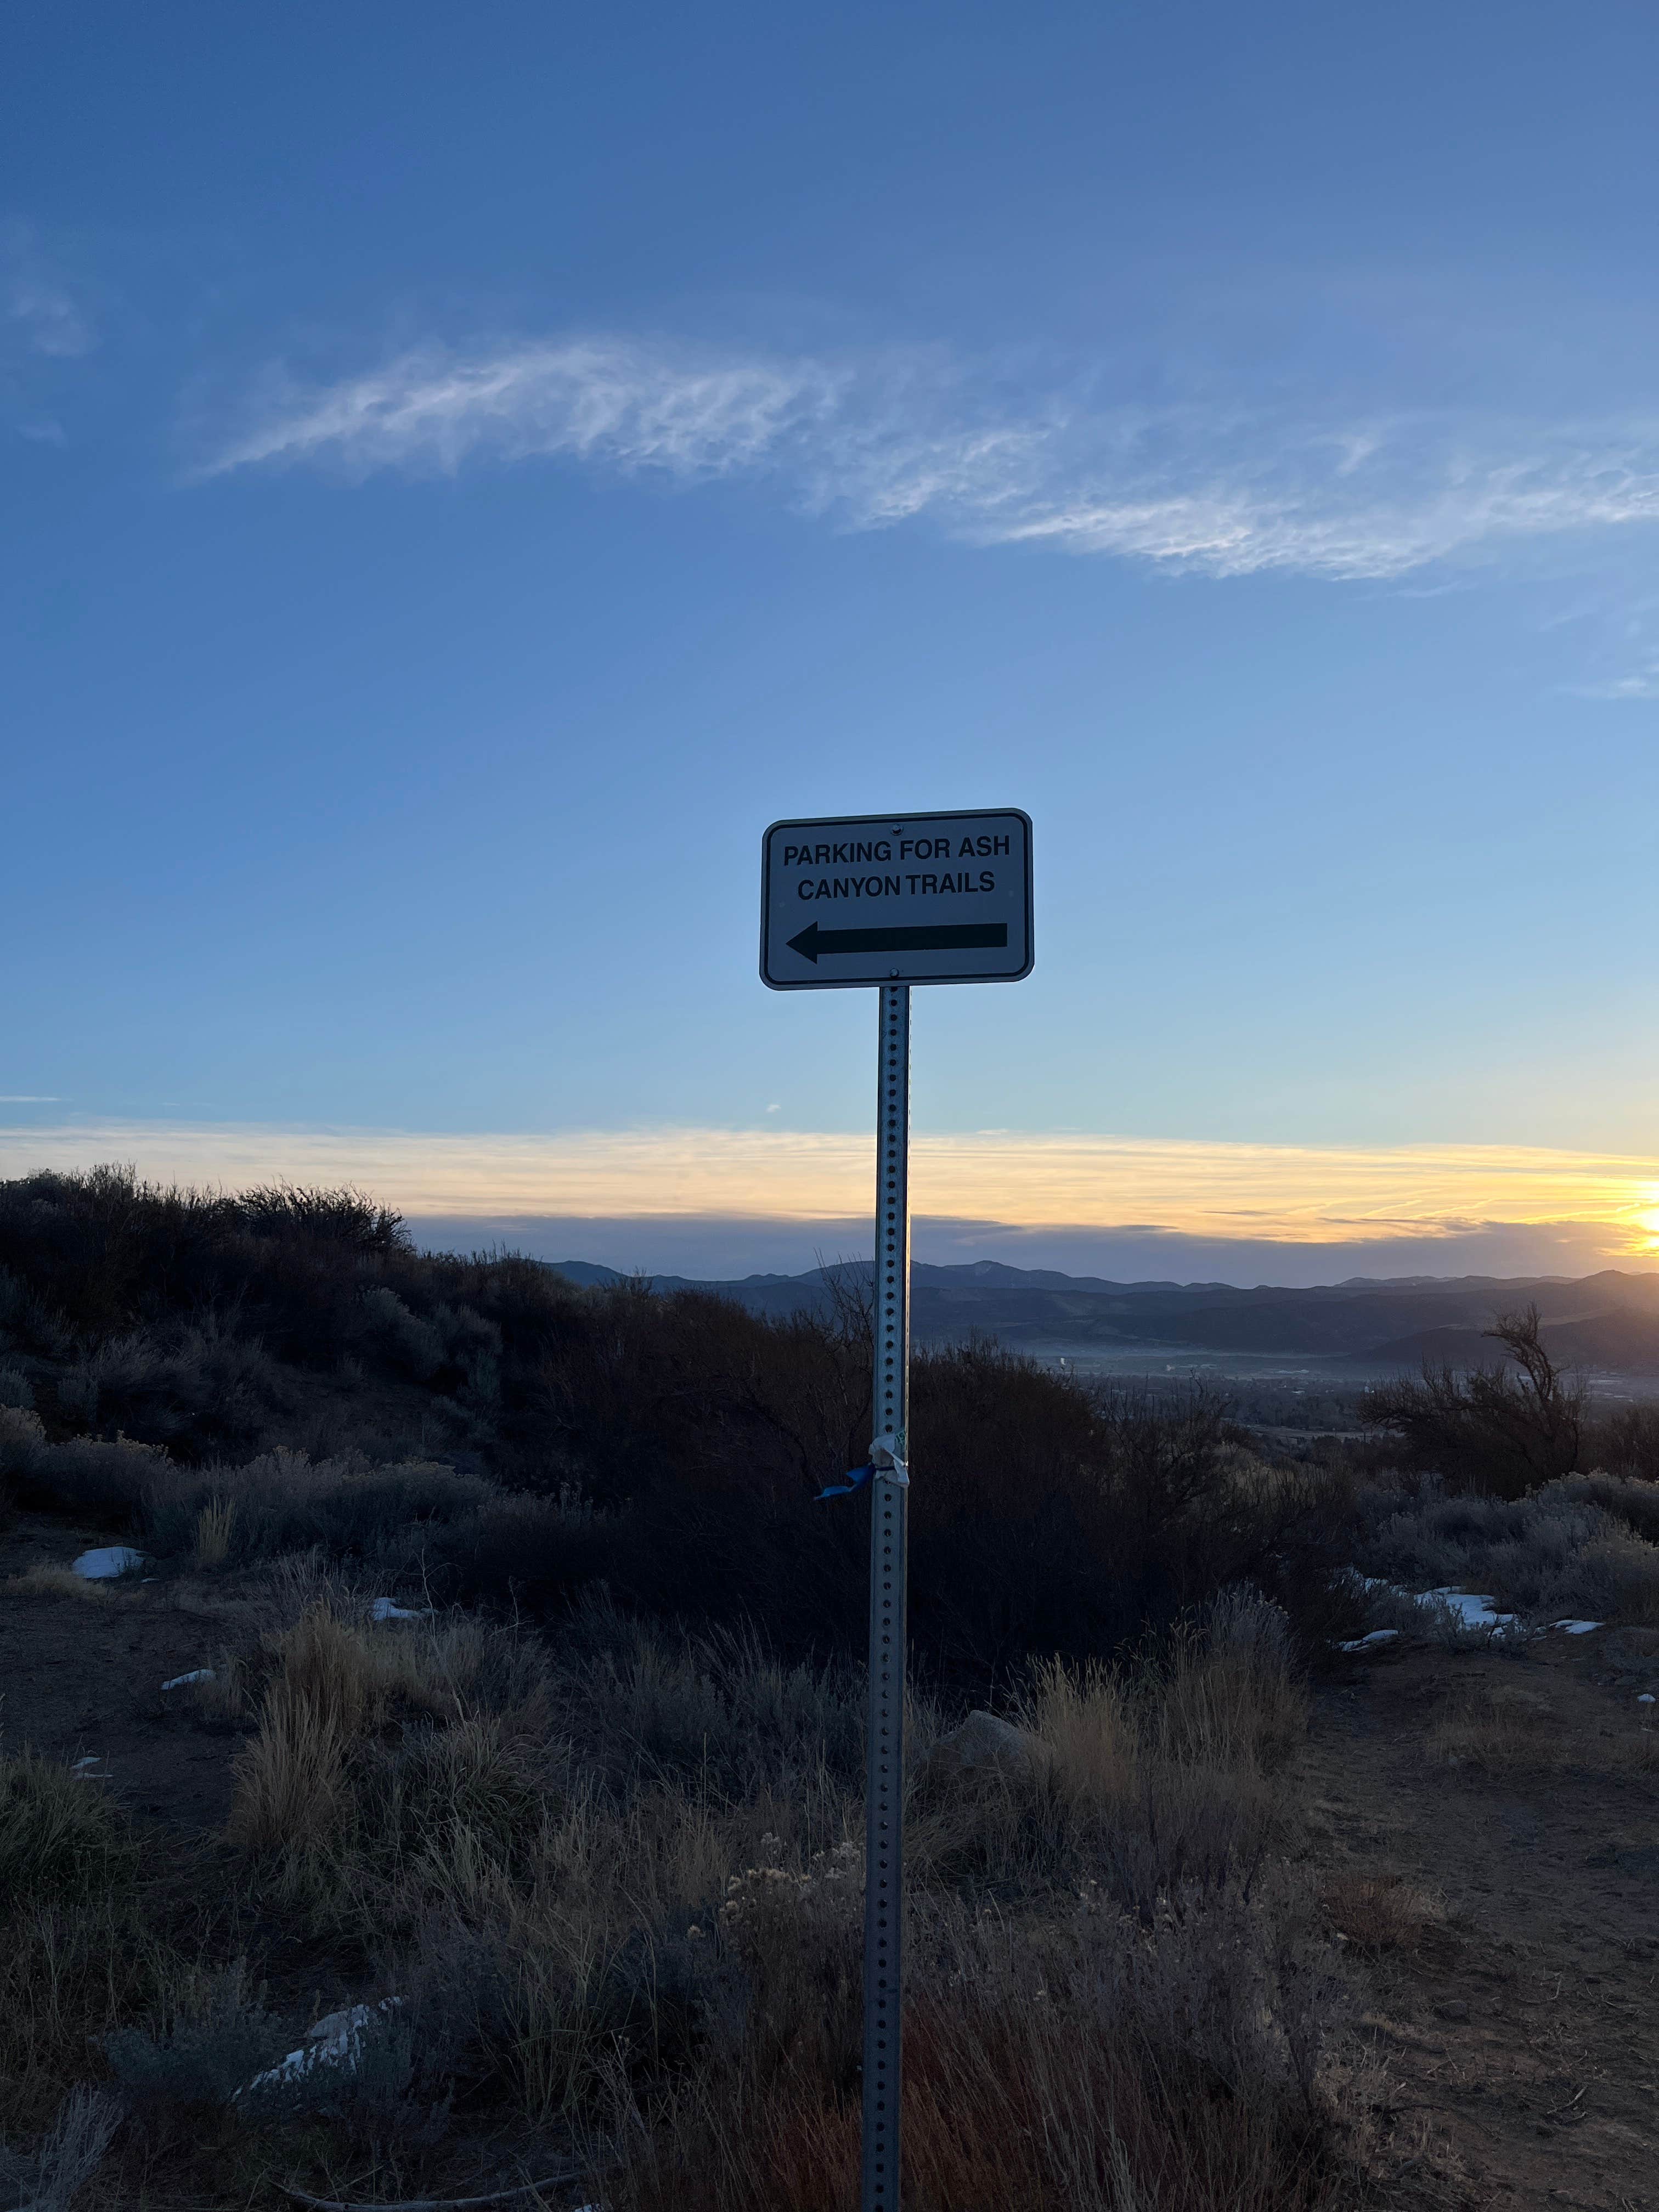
(1606, 1320)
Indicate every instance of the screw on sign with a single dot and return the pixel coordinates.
(887, 901)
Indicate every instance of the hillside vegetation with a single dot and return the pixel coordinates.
(515, 1670)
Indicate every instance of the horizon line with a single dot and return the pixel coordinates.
(1219, 1191)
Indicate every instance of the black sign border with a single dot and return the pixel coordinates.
(854, 821)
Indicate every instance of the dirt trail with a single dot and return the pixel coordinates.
(1523, 2033)
(82, 1678)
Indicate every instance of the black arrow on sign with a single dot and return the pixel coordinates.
(962, 937)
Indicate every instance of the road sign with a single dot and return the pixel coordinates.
(896, 898)
(891, 900)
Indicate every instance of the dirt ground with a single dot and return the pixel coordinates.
(1522, 2033)
(1517, 2019)
(81, 1678)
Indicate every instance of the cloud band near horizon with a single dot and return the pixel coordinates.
(1224, 1193)
(891, 435)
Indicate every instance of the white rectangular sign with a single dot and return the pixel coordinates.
(896, 898)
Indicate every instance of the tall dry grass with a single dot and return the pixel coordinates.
(1094, 2065)
(213, 1523)
(617, 1886)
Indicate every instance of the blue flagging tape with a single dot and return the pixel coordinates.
(856, 1479)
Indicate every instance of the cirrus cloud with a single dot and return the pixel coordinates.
(881, 438)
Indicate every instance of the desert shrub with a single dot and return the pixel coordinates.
(15, 1389)
(1502, 1429)
(539, 1552)
(23, 1440)
(1631, 1499)
(110, 1478)
(284, 1502)
(216, 2038)
(343, 1217)
(192, 1389)
(673, 1445)
(1626, 1440)
(25, 1319)
(1559, 1552)
(407, 1342)
(98, 1250)
(719, 1710)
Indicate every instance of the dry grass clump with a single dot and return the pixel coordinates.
(54, 1581)
(1501, 1728)
(60, 1836)
(334, 1686)
(1087, 1718)
(72, 2153)
(213, 1523)
(1155, 1774)
(1379, 1913)
(1086, 2066)
(77, 1953)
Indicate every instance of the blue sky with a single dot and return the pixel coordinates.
(470, 470)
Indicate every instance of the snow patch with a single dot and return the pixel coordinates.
(109, 1559)
(1474, 1611)
(1365, 1643)
(384, 1609)
(1645, 1698)
(1575, 1627)
(197, 1674)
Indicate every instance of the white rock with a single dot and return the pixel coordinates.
(336, 2040)
(110, 1559)
(1645, 1698)
(985, 1745)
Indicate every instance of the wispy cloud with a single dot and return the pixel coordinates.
(39, 302)
(881, 438)
(598, 400)
(1641, 682)
(1297, 1194)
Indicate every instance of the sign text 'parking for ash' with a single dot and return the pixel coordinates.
(896, 898)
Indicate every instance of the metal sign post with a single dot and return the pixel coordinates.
(883, 1799)
(891, 901)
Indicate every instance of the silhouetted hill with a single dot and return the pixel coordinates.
(1605, 1320)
